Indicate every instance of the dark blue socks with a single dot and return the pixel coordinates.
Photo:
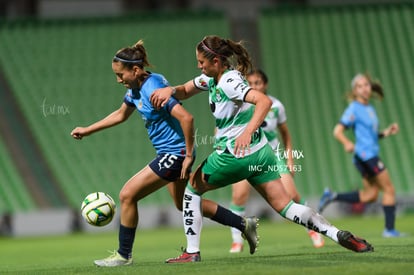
(126, 241)
(348, 197)
(389, 212)
(226, 217)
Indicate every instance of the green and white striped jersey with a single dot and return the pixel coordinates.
(232, 114)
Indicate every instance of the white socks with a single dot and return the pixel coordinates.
(193, 220)
(307, 217)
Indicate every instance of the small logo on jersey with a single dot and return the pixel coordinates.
(218, 95)
(202, 82)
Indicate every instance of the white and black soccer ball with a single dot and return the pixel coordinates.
(98, 209)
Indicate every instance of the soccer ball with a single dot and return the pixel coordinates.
(98, 209)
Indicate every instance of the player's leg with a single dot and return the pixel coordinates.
(277, 197)
(192, 219)
(290, 187)
(383, 180)
(176, 190)
(240, 195)
(136, 188)
(215, 171)
(210, 209)
(369, 192)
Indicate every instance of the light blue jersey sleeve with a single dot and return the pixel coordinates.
(348, 117)
(163, 129)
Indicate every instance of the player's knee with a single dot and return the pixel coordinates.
(389, 190)
(369, 196)
(372, 198)
(126, 197)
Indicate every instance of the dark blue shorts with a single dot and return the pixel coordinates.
(369, 168)
(167, 166)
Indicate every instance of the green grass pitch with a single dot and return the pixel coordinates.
(284, 249)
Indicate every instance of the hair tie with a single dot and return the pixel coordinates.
(136, 61)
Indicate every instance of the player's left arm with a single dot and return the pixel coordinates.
(392, 129)
(263, 105)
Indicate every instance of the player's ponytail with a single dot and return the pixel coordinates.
(135, 55)
(232, 54)
(244, 64)
(377, 89)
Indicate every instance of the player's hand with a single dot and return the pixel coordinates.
(186, 167)
(392, 130)
(349, 147)
(242, 145)
(160, 97)
(79, 133)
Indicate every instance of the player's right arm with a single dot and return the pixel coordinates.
(339, 134)
(116, 117)
(161, 96)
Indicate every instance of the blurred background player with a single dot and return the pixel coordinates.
(361, 117)
(275, 121)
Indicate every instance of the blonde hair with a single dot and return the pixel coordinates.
(376, 87)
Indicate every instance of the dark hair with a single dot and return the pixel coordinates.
(214, 46)
(260, 73)
(135, 55)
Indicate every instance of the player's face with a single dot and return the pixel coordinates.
(208, 67)
(257, 83)
(362, 89)
(126, 76)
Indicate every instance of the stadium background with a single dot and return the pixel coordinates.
(55, 74)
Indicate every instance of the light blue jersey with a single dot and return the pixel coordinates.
(364, 122)
(163, 129)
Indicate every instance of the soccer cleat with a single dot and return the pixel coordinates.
(236, 248)
(347, 240)
(250, 234)
(316, 238)
(327, 197)
(392, 233)
(114, 260)
(185, 258)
